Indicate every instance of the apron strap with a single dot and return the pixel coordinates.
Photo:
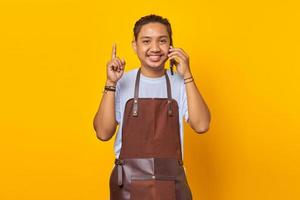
(170, 112)
(136, 94)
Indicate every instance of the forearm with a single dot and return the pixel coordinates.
(104, 121)
(199, 115)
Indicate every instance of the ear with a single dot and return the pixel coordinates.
(133, 44)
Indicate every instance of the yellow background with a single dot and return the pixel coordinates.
(244, 56)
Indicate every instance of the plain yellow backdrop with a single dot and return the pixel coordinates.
(244, 56)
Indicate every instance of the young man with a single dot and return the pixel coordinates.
(149, 103)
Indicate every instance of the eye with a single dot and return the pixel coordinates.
(146, 41)
(163, 41)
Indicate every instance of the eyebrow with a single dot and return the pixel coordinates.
(162, 36)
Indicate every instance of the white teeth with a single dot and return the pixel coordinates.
(154, 57)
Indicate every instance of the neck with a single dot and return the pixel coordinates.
(153, 73)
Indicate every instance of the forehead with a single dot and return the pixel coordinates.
(153, 30)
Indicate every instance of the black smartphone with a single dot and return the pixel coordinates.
(172, 62)
(171, 66)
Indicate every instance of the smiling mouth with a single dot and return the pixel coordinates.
(154, 58)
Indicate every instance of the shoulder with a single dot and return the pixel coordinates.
(130, 73)
(127, 78)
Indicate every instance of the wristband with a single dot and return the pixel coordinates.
(189, 81)
(109, 88)
(188, 78)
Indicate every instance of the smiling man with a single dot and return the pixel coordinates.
(149, 104)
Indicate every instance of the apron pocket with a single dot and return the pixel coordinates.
(150, 188)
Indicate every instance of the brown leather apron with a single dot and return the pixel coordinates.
(150, 164)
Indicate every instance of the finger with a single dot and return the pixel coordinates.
(111, 66)
(119, 62)
(118, 65)
(120, 71)
(123, 66)
(114, 65)
(176, 58)
(179, 54)
(180, 50)
(123, 61)
(114, 51)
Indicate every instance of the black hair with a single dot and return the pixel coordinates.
(150, 19)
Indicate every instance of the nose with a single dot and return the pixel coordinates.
(155, 47)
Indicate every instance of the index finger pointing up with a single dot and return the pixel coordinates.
(114, 51)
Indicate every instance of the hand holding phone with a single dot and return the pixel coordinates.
(180, 59)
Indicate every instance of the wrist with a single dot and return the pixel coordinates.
(187, 74)
(110, 83)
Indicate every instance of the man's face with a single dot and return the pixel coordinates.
(152, 45)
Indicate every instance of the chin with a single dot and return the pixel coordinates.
(154, 67)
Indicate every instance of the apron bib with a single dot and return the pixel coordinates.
(150, 164)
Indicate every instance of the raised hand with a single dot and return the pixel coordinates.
(115, 67)
(181, 61)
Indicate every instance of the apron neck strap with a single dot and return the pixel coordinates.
(136, 92)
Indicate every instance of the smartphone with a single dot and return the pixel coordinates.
(172, 62)
(171, 66)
